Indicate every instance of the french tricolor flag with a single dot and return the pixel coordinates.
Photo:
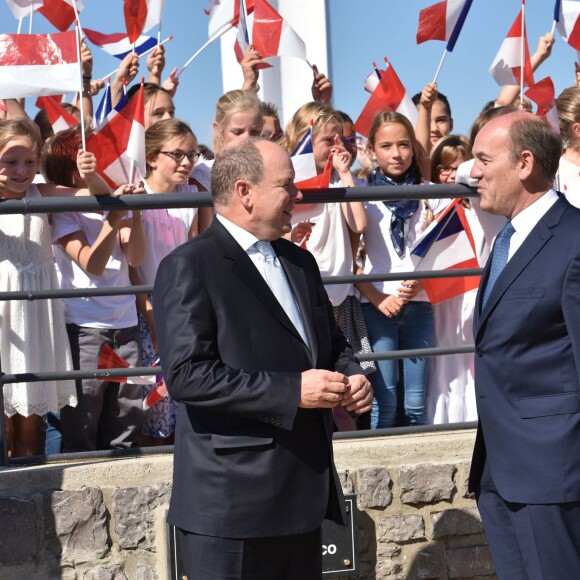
(118, 45)
(303, 158)
(389, 95)
(443, 21)
(33, 65)
(119, 144)
(60, 13)
(567, 17)
(372, 80)
(506, 68)
(447, 244)
(273, 36)
(242, 37)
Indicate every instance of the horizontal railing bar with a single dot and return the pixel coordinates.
(203, 199)
(327, 280)
(151, 371)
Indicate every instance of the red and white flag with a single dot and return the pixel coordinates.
(59, 117)
(272, 35)
(119, 144)
(567, 17)
(141, 15)
(60, 13)
(109, 359)
(21, 8)
(33, 65)
(443, 21)
(447, 244)
(543, 94)
(389, 95)
(225, 14)
(507, 66)
(320, 181)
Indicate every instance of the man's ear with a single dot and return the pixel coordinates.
(527, 164)
(243, 191)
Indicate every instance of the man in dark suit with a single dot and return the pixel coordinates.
(256, 381)
(526, 464)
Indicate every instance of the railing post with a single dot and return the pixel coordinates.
(3, 448)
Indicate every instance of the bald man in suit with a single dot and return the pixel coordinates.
(526, 463)
(256, 369)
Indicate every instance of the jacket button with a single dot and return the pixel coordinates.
(479, 352)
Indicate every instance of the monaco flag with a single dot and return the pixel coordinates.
(389, 95)
(21, 8)
(567, 17)
(272, 35)
(141, 15)
(443, 21)
(33, 65)
(506, 68)
(447, 244)
(119, 144)
(59, 117)
(320, 181)
(225, 14)
(60, 13)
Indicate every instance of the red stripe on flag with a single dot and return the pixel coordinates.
(432, 22)
(38, 49)
(267, 29)
(99, 38)
(386, 97)
(59, 13)
(574, 37)
(135, 18)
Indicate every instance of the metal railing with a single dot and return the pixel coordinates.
(176, 200)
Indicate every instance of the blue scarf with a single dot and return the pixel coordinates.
(401, 210)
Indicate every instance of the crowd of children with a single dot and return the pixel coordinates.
(85, 250)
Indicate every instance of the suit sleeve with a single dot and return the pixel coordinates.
(193, 370)
(571, 306)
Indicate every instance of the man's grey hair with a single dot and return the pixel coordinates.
(538, 137)
(240, 160)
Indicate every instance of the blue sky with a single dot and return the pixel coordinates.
(359, 33)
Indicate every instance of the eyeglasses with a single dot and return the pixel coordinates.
(178, 156)
(349, 140)
(446, 170)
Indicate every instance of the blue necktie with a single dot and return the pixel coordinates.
(499, 259)
(278, 283)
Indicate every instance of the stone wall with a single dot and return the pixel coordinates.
(104, 520)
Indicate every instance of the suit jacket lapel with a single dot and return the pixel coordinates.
(245, 269)
(523, 256)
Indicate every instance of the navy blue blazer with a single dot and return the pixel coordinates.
(527, 360)
(248, 462)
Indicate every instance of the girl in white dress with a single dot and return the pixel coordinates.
(33, 336)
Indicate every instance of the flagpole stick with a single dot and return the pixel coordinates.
(553, 27)
(74, 5)
(217, 35)
(142, 54)
(159, 25)
(30, 22)
(19, 26)
(81, 106)
(523, 58)
(440, 66)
